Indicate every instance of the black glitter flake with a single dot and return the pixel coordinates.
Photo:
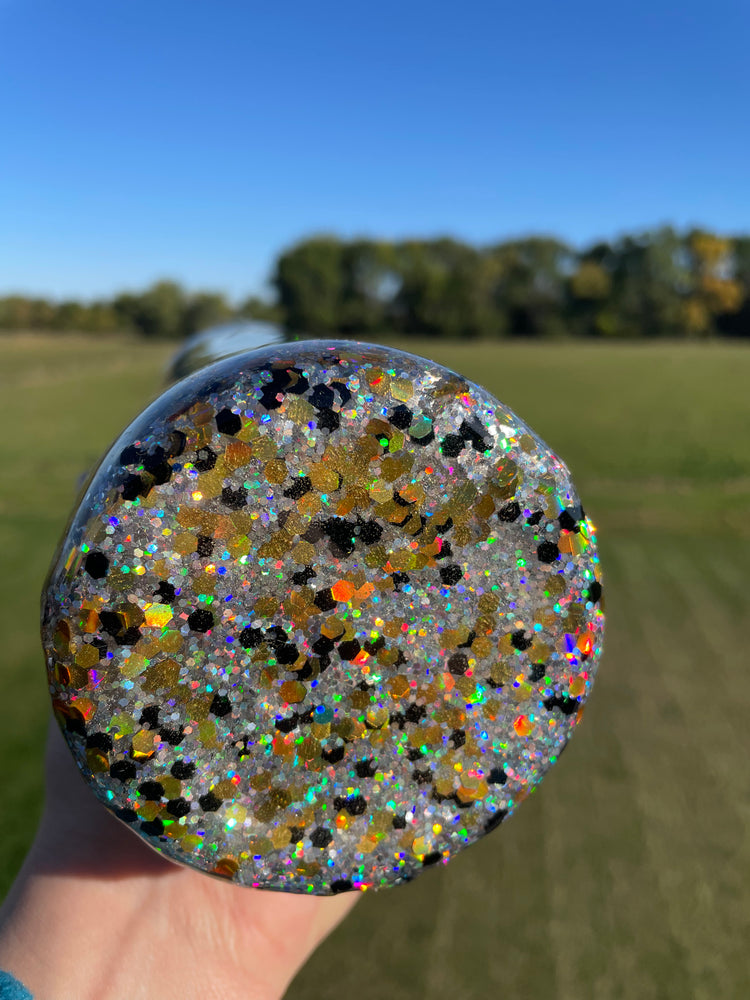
(286, 725)
(300, 486)
(536, 673)
(321, 397)
(343, 392)
(250, 638)
(182, 769)
(205, 459)
(228, 422)
(365, 768)
(220, 706)
(99, 741)
(510, 512)
(209, 802)
(123, 770)
(174, 735)
(472, 431)
(134, 487)
(369, 532)
(178, 807)
(321, 837)
(355, 805)
(130, 636)
(452, 445)
(547, 552)
(150, 716)
(303, 576)
(96, 565)
(458, 663)
(201, 620)
(323, 644)
(349, 649)
(494, 822)
(567, 705)
(176, 443)
(152, 791)
(415, 713)
(519, 640)
(287, 654)
(341, 885)
(234, 499)
(401, 417)
(334, 754)
(451, 574)
(324, 600)
(165, 592)
(567, 521)
(341, 534)
(130, 455)
(153, 827)
(328, 420)
(205, 546)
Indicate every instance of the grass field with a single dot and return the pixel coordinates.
(626, 877)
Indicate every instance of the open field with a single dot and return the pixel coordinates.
(627, 876)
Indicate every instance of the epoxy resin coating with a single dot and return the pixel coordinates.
(326, 614)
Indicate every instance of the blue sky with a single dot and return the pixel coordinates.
(195, 140)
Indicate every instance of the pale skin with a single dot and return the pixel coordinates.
(95, 914)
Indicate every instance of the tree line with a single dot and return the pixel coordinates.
(656, 284)
(164, 310)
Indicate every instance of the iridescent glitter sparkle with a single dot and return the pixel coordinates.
(326, 614)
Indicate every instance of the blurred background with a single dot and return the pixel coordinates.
(553, 201)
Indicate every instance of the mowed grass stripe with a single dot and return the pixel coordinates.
(686, 780)
(727, 564)
(497, 900)
(608, 929)
(720, 729)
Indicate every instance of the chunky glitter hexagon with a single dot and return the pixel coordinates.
(326, 614)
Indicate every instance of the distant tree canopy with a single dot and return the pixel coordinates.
(163, 310)
(656, 284)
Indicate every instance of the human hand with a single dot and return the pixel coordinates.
(95, 914)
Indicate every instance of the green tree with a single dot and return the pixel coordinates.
(204, 309)
(257, 308)
(713, 289)
(18, 312)
(309, 284)
(438, 293)
(369, 284)
(649, 280)
(157, 312)
(737, 323)
(531, 287)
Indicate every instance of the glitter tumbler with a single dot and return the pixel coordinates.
(326, 613)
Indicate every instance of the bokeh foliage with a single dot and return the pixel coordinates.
(659, 284)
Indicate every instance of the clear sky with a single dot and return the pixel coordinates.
(195, 139)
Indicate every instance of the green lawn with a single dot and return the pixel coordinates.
(626, 877)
